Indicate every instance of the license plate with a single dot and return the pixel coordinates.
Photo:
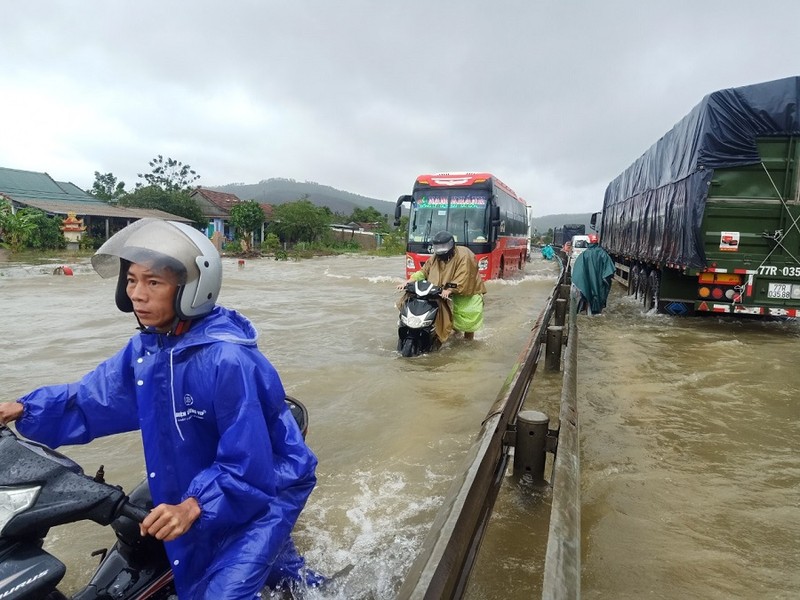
(779, 290)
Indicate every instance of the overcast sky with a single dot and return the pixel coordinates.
(556, 98)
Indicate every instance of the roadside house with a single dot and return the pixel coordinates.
(61, 199)
(216, 207)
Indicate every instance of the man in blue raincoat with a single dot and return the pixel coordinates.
(227, 466)
(592, 273)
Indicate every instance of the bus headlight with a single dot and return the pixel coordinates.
(483, 263)
(409, 262)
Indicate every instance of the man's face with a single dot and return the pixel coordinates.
(152, 295)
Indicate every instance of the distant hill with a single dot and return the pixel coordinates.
(279, 191)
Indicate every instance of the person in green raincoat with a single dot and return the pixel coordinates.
(457, 267)
(592, 273)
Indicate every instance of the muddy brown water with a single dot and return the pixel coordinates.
(689, 428)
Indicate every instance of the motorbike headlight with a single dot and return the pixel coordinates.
(413, 321)
(14, 500)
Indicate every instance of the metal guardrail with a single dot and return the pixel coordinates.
(562, 567)
(442, 567)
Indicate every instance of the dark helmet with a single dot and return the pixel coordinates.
(164, 245)
(443, 245)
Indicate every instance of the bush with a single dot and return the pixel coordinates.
(271, 243)
(88, 242)
(234, 247)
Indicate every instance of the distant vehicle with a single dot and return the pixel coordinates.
(481, 212)
(578, 245)
(562, 235)
(707, 220)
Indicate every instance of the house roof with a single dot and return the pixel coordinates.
(39, 190)
(221, 200)
(219, 204)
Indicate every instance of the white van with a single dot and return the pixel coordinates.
(579, 244)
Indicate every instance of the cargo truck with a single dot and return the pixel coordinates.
(707, 220)
(563, 234)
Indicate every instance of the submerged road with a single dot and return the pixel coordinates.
(689, 428)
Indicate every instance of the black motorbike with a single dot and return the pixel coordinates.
(415, 327)
(41, 488)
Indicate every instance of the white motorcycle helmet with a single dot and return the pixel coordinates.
(164, 245)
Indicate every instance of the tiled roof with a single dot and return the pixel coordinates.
(222, 200)
(41, 191)
(30, 184)
(98, 209)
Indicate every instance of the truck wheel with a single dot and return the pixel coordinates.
(633, 280)
(641, 282)
(651, 291)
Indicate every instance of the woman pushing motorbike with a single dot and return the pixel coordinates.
(455, 269)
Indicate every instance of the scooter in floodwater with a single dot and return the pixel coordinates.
(415, 327)
(41, 488)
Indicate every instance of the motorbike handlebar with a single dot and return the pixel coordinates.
(137, 513)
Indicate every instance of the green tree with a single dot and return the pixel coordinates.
(177, 202)
(271, 243)
(16, 227)
(170, 175)
(299, 221)
(46, 233)
(107, 188)
(246, 217)
(370, 215)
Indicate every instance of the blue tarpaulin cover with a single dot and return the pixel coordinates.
(654, 209)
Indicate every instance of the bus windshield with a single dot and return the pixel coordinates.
(461, 212)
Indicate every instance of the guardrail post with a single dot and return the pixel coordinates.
(555, 336)
(530, 451)
(561, 311)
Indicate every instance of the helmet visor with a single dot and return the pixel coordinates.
(440, 249)
(156, 244)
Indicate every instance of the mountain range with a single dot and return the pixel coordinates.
(279, 191)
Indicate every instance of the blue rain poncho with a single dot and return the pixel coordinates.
(215, 426)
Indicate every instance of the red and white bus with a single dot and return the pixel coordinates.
(481, 212)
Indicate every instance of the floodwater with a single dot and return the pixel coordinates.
(689, 428)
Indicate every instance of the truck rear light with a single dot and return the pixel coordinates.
(704, 292)
(717, 293)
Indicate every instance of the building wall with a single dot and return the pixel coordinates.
(365, 239)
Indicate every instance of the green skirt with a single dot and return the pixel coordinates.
(467, 312)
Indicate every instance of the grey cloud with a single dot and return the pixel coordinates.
(555, 97)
